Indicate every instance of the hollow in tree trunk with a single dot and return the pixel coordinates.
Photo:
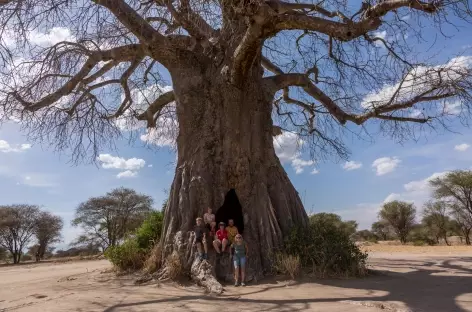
(225, 147)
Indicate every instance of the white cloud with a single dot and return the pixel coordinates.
(418, 80)
(300, 164)
(315, 171)
(150, 166)
(5, 147)
(352, 165)
(287, 147)
(52, 37)
(385, 165)
(462, 147)
(127, 174)
(112, 162)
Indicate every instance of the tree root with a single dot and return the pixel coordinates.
(202, 274)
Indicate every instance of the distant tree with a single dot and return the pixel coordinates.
(436, 219)
(401, 217)
(107, 219)
(456, 189)
(332, 219)
(3, 253)
(462, 222)
(17, 227)
(381, 229)
(48, 231)
(365, 235)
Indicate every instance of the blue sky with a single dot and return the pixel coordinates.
(377, 171)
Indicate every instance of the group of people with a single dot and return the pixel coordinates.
(225, 238)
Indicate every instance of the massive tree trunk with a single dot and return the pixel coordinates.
(225, 148)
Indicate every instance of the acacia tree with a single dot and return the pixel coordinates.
(436, 219)
(48, 231)
(455, 188)
(107, 219)
(401, 217)
(17, 226)
(242, 72)
(382, 229)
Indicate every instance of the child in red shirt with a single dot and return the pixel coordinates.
(221, 239)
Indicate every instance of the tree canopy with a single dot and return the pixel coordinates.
(48, 231)
(401, 217)
(78, 72)
(107, 219)
(17, 227)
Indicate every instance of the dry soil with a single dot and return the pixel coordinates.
(430, 279)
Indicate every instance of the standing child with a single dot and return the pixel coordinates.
(208, 218)
(200, 238)
(239, 259)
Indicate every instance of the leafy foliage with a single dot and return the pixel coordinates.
(333, 220)
(401, 217)
(127, 256)
(325, 248)
(150, 231)
(143, 243)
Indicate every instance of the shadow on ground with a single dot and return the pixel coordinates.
(421, 285)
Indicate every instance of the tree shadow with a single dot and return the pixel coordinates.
(425, 286)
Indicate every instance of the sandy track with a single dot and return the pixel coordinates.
(418, 282)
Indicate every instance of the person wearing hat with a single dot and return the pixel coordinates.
(221, 239)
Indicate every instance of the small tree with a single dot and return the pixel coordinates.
(107, 219)
(401, 217)
(436, 219)
(17, 226)
(462, 222)
(47, 231)
(455, 188)
(381, 229)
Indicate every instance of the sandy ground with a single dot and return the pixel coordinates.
(435, 280)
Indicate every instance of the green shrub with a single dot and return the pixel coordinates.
(127, 256)
(326, 249)
(150, 231)
(26, 257)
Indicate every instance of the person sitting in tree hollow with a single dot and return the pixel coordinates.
(239, 259)
(221, 239)
(232, 230)
(200, 238)
(208, 217)
(212, 230)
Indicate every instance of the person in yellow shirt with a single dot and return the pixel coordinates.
(232, 230)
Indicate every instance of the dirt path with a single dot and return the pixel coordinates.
(410, 282)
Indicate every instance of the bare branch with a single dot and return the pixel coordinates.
(156, 107)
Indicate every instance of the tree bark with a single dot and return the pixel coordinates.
(225, 142)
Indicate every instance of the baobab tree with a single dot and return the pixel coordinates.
(242, 72)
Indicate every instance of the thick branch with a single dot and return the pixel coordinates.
(115, 55)
(286, 80)
(348, 29)
(160, 47)
(156, 107)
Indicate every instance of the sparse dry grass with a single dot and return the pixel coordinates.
(287, 264)
(173, 266)
(153, 263)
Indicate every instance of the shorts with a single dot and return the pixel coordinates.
(239, 261)
(199, 240)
